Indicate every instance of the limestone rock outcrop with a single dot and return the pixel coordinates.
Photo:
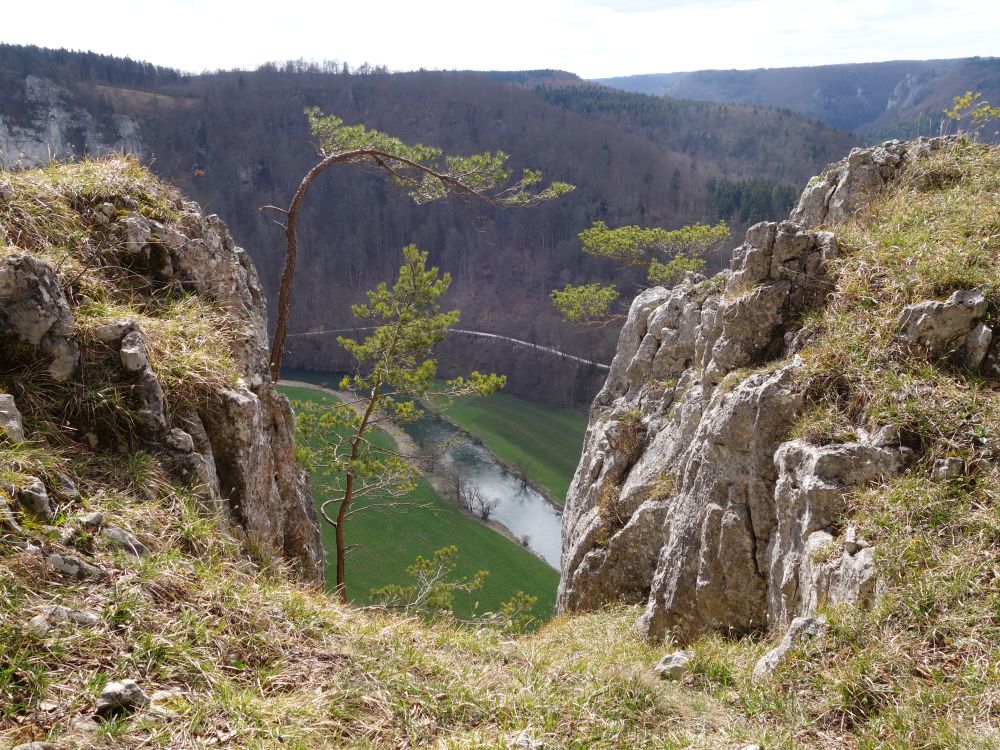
(236, 440)
(850, 184)
(689, 495)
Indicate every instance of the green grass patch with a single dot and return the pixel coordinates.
(390, 540)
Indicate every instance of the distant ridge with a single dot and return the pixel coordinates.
(899, 98)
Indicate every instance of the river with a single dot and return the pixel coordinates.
(523, 511)
(528, 515)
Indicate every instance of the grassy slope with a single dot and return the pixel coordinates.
(391, 540)
(547, 439)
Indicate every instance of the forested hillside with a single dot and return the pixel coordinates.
(897, 99)
(236, 141)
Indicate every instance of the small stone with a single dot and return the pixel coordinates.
(112, 333)
(60, 614)
(56, 614)
(948, 468)
(180, 441)
(751, 747)
(6, 192)
(39, 626)
(84, 725)
(977, 346)
(11, 425)
(672, 666)
(123, 540)
(107, 209)
(35, 746)
(133, 352)
(851, 540)
(92, 522)
(7, 520)
(887, 436)
(35, 498)
(524, 741)
(120, 697)
(73, 566)
(67, 489)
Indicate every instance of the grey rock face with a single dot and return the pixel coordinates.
(34, 311)
(693, 505)
(239, 444)
(11, 426)
(57, 128)
(672, 666)
(688, 495)
(811, 491)
(120, 697)
(850, 184)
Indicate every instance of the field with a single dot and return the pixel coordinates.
(546, 439)
(391, 540)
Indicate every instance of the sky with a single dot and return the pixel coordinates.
(593, 38)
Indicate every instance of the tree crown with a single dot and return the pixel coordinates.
(424, 172)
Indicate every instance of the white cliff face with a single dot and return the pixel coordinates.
(53, 128)
(689, 495)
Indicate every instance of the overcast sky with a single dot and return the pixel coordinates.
(594, 38)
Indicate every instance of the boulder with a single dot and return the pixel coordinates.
(849, 185)
(950, 328)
